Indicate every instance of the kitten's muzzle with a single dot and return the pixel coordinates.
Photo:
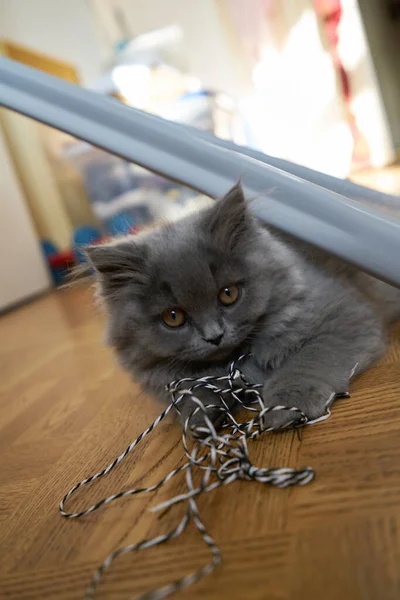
(215, 340)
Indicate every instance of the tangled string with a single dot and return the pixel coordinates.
(215, 459)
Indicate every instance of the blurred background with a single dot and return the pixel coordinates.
(315, 82)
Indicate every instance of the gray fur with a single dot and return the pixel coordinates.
(307, 317)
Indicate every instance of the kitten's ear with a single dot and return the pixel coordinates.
(230, 220)
(119, 264)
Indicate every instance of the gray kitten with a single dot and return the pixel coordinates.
(187, 298)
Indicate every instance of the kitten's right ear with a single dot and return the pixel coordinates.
(230, 221)
(119, 264)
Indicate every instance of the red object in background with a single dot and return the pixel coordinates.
(331, 13)
(60, 260)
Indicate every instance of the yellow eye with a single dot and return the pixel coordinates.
(173, 317)
(228, 294)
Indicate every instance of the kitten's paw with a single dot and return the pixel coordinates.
(311, 401)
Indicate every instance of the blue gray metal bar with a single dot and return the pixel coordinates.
(344, 187)
(304, 206)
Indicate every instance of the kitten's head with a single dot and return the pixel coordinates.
(191, 291)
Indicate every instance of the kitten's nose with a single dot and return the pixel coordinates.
(216, 340)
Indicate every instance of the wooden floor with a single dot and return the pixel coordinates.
(66, 410)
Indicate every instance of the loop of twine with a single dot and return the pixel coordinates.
(219, 458)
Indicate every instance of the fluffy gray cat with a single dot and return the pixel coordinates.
(187, 298)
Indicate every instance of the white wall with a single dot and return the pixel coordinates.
(72, 31)
(23, 272)
(63, 29)
(37, 178)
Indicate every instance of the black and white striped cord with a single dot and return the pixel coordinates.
(217, 459)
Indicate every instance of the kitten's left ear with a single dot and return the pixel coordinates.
(230, 220)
